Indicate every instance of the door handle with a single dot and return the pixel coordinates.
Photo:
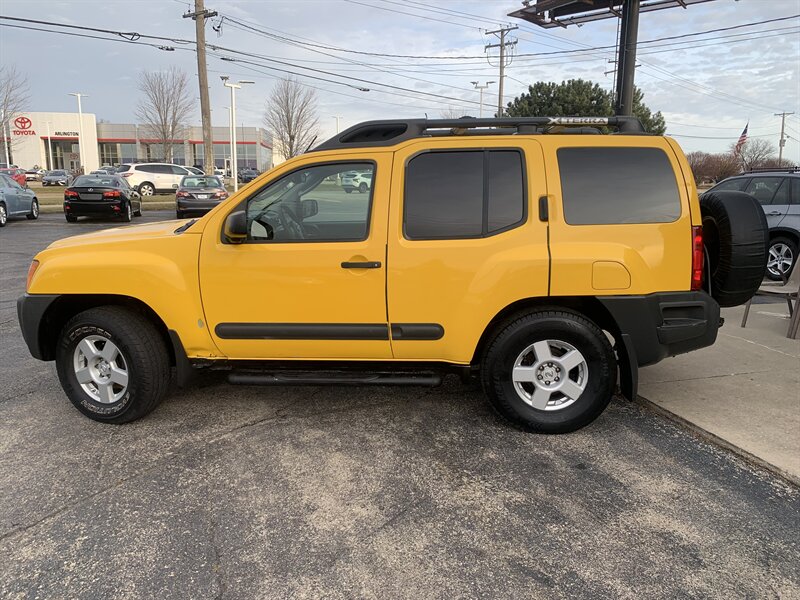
(774, 213)
(361, 265)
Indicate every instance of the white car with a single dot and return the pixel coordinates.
(153, 178)
(353, 180)
(34, 174)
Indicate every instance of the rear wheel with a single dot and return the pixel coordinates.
(147, 189)
(127, 212)
(782, 256)
(113, 364)
(3, 215)
(71, 218)
(34, 214)
(180, 214)
(549, 371)
(362, 188)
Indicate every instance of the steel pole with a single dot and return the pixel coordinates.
(6, 140)
(627, 70)
(49, 147)
(234, 153)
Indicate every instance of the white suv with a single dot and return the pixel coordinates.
(153, 178)
(353, 180)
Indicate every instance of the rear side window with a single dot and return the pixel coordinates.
(763, 188)
(795, 190)
(123, 168)
(732, 185)
(604, 186)
(463, 194)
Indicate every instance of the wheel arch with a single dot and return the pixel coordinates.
(792, 234)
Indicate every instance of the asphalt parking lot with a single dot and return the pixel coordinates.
(240, 492)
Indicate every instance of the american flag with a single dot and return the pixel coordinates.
(742, 139)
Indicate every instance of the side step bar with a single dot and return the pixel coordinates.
(334, 378)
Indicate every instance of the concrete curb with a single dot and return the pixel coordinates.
(718, 441)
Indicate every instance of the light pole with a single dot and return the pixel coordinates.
(6, 140)
(78, 95)
(230, 137)
(337, 122)
(234, 87)
(481, 88)
(50, 147)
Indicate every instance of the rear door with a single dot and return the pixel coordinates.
(620, 221)
(772, 192)
(9, 194)
(464, 242)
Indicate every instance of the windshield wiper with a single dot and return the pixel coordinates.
(185, 226)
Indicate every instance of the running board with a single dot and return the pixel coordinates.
(334, 378)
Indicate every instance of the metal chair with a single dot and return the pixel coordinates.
(789, 291)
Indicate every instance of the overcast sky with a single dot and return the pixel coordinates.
(707, 86)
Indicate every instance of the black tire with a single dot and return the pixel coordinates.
(71, 218)
(127, 212)
(45, 184)
(144, 357)
(786, 248)
(362, 188)
(735, 234)
(138, 211)
(348, 190)
(180, 214)
(3, 214)
(34, 214)
(569, 329)
(147, 189)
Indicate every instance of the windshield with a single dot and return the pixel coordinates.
(201, 182)
(96, 181)
(57, 173)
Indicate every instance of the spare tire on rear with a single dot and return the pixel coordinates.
(736, 238)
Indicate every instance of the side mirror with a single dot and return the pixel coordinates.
(235, 230)
(309, 208)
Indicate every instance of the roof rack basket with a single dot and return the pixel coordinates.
(391, 132)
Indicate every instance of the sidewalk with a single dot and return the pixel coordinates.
(745, 389)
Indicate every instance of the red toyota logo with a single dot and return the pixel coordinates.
(22, 123)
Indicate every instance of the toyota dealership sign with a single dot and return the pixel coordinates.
(23, 126)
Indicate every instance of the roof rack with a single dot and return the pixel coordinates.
(391, 132)
(794, 169)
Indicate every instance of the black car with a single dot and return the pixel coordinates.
(101, 196)
(198, 194)
(247, 175)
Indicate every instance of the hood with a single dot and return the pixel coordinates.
(130, 233)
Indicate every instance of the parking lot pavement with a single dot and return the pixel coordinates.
(238, 492)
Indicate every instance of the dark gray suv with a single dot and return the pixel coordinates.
(778, 192)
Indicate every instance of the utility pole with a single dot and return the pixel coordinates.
(501, 33)
(481, 88)
(199, 16)
(782, 143)
(626, 57)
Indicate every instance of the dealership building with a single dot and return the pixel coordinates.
(36, 136)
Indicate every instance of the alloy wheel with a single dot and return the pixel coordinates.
(101, 369)
(550, 375)
(780, 259)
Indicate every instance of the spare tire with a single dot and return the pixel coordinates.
(736, 238)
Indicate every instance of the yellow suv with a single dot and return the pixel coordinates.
(542, 255)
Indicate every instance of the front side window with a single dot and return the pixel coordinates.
(606, 186)
(320, 203)
(463, 194)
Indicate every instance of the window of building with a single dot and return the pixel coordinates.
(603, 186)
(463, 194)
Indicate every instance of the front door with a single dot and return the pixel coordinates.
(772, 192)
(309, 282)
(11, 192)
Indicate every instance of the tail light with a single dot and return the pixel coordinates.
(70, 194)
(181, 194)
(697, 258)
(112, 194)
(220, 195)
(128, 174)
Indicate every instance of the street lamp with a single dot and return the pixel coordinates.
(50, 147)
(481, 88)
(78, 95)
(234, 158)
(337, 122)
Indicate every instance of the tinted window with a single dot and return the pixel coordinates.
(123, 168)
(782, 194)
(147, 168)
(795, 189)
(763, 188)
(201, 182)
(311, 205)
(463, 194)
(732, 185)
(179, 170)
(602, 186)
(95, 181)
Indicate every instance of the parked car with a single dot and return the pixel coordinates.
(543, 264)
(17, 175)
(219, 172)
(101, 195)
(16, 201)
(247, 175)
(153, 178)
(195, 170)
(198, 194)
(34, 174)
(57, 177)
(353, 180)
(778, 193)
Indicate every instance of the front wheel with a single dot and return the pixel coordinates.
(549, 371)
(147, 189)
(34, 214)
(113, 364)
(3, 215)
(781, 258)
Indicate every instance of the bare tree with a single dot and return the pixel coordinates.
(712, 167)
(291, 117)
(165, 107)
(453, 113)
(756, 153)
(14, 97)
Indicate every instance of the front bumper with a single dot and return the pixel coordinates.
(665, 324)
(31, 311)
